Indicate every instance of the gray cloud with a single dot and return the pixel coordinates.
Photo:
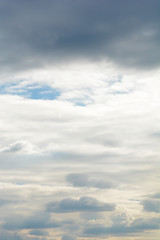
(91, 216)
(126, 32)
(123, 228)
(156, 195)
(68, 237)
(8, 236)
(14, 147)
(38, 232)
(151, 205)
(3, 202)
(19, 146)
(82, 180)
(79, 205)
(39, 220)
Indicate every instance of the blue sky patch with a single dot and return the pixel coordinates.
(81, 104)
(33, 91)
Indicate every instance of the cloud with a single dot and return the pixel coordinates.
(151, 205)
(68, 237)
(3, 202)
(20, 147)
(8, 236)
(82, 180)
(59, 31)
(156, 195)
(79, 205)
(123, 228)
(91, 216)
(38, 232)
(37, 221)
(75, 118)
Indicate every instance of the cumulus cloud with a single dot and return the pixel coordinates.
(83, 180)
(79, 205)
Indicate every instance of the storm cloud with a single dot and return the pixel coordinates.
(38, 33)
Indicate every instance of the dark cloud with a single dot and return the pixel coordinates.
(34, 33)
(123, 228)
(39, 220)
(82, 180)
(38, 232)
(79, 205)
(151, 205)
(8, 236)
(68, 237)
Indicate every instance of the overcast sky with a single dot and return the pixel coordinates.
(79, 119)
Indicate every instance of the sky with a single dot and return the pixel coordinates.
(79, 120)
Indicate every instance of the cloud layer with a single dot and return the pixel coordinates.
(126, 32)
(86, 204)
(79, 119)
(82, 180)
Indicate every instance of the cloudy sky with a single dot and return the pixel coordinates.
(79, 119)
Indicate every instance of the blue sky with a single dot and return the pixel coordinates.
(79, 120)
(33, 91)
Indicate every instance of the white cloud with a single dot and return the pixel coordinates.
(112, 139)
